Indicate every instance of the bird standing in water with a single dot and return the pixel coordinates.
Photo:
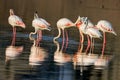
(105, 26)
(14, 21)
(39, 24)
(61, 25)
(85, 26)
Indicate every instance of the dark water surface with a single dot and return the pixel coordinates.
(24, 61)
(47, 62)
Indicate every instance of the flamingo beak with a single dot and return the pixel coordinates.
(77, 20)
(114, 33)
(23, 25)
(49, 28)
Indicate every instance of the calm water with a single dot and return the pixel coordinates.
(48, 61)
(24, 61)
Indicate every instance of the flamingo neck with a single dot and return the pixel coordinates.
(58, 34)
(31, 34)
(58, 46)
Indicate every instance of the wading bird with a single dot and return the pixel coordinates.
(85, 26)
(39, 24)
(105, 26)
(14, 21)
(61, 25)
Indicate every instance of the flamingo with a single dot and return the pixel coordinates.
(14, 21)
(93, 33)
(61, 25)
(85, 26)
(39, 24)
(105, 26)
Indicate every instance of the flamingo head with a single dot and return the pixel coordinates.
(11, 12)
(78, 22)
(49, 28)
(22, 25)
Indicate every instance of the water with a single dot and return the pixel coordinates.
(47, 61)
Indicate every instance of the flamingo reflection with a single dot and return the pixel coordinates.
(102, 62)
(63, 62)
(12, 52)
(37, 54)
(59, 56)
(83, 59)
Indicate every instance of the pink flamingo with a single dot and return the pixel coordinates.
(61, 25)
(39, 24)
(93, 33)
(87, 27)
(81, 24)
(105, 26)
(14, 21)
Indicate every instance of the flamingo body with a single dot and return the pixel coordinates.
(93, 33)
(15, 20)
(64, 23)
(39, 24)
(105, 26)
(61, 25)
(43, 20)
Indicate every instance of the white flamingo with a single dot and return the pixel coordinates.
(105, 26)
(61, 25)
(14, 21)
(93, 33)
(39, 24)
(87, 27)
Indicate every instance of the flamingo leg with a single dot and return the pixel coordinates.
(66, 39)
(63, 39)
(104, 43)
(39, 37)
(81, 39)
(88, 45)
(91, 46)
(14, 36)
